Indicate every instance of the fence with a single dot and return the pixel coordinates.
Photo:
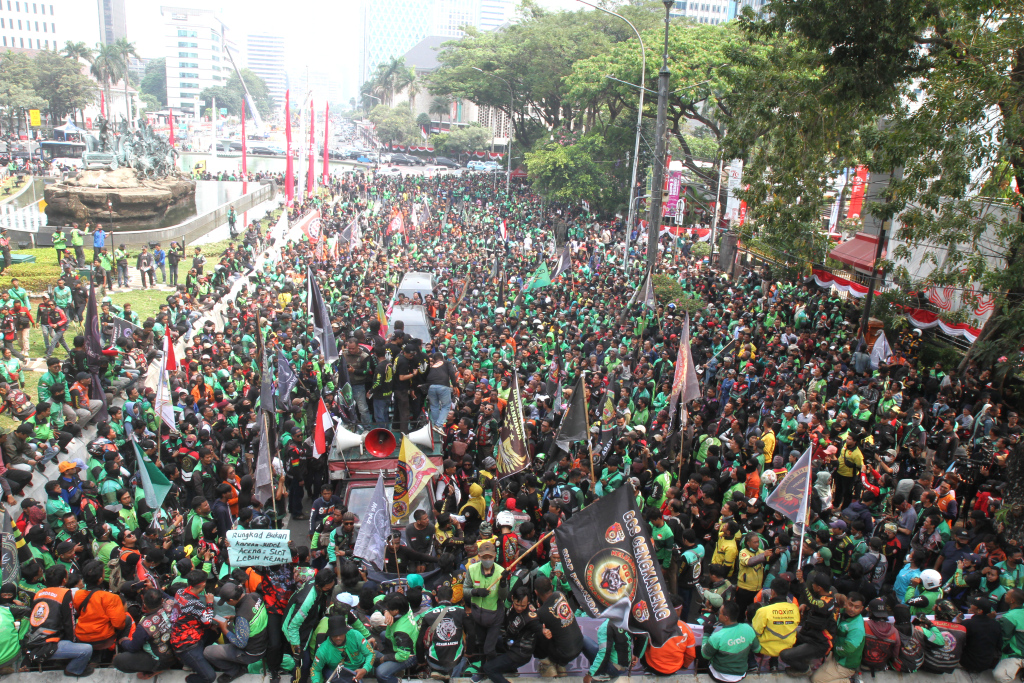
(27, 230)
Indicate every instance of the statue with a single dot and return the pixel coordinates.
(142, 150)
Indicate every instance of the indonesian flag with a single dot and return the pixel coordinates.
(323, 423)
(504, 230)
(382, 319)
(170, 360)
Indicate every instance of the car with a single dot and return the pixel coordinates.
(491, 166)
(446, 162)
(391, 170)
(404, 159)
(474, 165)
(261, 150)
(363, 159)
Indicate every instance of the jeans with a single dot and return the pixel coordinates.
(78, 653)
(440, 398)
(122, 275)
(9, 344)
(229, 659)
(388, 671)
(402, 408)
(202, 672)
(141, 662)
(173, 267)
(57, 338)
(47, 335)
(380, 411)
(148, 274)
(80, 256)
(162, 267)
(454, 672)
(800, 656)
(502, 664)
(359, 395)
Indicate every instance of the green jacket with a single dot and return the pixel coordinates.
(728, 648)
(402, 634)
(1012, 624)
(354, 654)
(850, 644)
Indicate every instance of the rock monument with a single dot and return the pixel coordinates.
(129, 179)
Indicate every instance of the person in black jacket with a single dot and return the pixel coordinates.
(523, 631)
(174, 256)
(440, 379)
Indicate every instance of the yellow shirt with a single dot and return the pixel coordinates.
(725, 554)
(854, 458)
(769, 447)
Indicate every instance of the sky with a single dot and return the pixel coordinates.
(324, 37)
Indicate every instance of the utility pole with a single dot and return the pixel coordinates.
(658, 174)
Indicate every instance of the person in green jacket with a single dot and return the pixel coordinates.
(60, 243)
(401, 633)
(729, 648)
(924, 591)
(344, 647)
(1012, 625)
(844, 660)
(78, 243)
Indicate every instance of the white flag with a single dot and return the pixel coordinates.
(790, 497)
(880, 352)
(375, 527)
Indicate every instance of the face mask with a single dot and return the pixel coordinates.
(487, 563)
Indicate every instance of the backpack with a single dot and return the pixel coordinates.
(115, 582)
(881, 645)
(911, 653)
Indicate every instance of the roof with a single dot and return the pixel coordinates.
(423, 55)
(858, 252)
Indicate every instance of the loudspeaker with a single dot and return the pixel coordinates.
(380, 443)
(424, 436)
(346, 439)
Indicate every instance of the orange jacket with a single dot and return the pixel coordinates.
(676, 654)
(103, 615)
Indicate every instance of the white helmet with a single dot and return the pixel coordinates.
(506, 518)
(931, 579)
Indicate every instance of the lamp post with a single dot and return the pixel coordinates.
(658, 174)
(632, 212)
(508, 150)
(639, 122)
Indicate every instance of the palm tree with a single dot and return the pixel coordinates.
(440, 106)
(106, 68)
(408, 81)
(126, 51)
(78, 51)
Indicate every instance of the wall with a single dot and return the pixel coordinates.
(188, 231)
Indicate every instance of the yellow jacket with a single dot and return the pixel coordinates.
(775, 625)
(751, 576)
(855, 457)
(725, 553)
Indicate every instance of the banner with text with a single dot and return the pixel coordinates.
(259, 548)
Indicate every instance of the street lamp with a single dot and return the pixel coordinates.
(639, 123)
(632, 212)
(658, 175)
(511, 105)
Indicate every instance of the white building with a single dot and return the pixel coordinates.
(193, 46)
(31, 25)
(265, 56)
(706, 11)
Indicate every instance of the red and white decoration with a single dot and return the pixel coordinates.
(826, 279)
(925, 320)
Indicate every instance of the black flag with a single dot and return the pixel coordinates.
(94, 354)
(286, 380)
(607, 551)
(321, 319)
(511, 451)
(573, 427)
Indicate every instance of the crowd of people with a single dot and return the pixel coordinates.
(908, 559)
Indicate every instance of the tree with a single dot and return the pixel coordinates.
(107, 69)
(423, 120)
(149, 103)
(154, 81)
(395, 124)
(226, 98)
(17, 94)
(469, 138)
(258, 91)
(568, 173)
(126, 52)
(440, 107)
(60, 81)
(78, 51)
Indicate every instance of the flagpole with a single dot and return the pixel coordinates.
(586, 418)
(529, 550)
(807, 503)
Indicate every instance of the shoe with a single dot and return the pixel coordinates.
(774, 668)
(561, 671)
(795, 673)
(275, 677)
(476, 678)
(88, 672)
(300, 517)
(438, 676)
(546, 669)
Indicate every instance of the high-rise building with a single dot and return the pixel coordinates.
(31, 25)
(264, 56)
(194, 43)
(113, 24)
(705, 11)
(393, 27)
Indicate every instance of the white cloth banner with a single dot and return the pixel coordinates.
(259, 548)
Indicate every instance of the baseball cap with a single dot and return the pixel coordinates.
(229, 591)
(838, 524)
(876, 609)
(486, 548)
(825, 554)
(66, 466)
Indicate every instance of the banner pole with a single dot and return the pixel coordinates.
(518, 559)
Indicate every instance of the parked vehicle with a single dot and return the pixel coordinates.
(446, 162)
(474, 165)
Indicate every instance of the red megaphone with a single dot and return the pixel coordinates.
(380, 443)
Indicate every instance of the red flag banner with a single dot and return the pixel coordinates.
(860, 180)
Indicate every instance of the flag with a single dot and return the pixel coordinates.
(264, 472)
(155, 485)
(245, 150)
(790, 497)
(375, 528)
(684, 381)
(170, 359)
(553, 384)
(540, 278)
(13, 550)
(123, 329)
(95, 357)
(162, 404)
(880, 352)
(563, 264)
(644, 294)
(327, 119)
(286, 380)
(324, 423)
(266, 389)
(574, 427)
(586, 206)
(608, 555)
(310, 180)
(289, 172)
(170, 120)
(383, 320)
(504, 230)
(413, 473)
(511, 451)
(608, 410)
(321, 318)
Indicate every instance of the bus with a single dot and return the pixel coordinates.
(62, 153)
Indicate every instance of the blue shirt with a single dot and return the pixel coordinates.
(99, 239)
(160, 255)
(902, 583)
